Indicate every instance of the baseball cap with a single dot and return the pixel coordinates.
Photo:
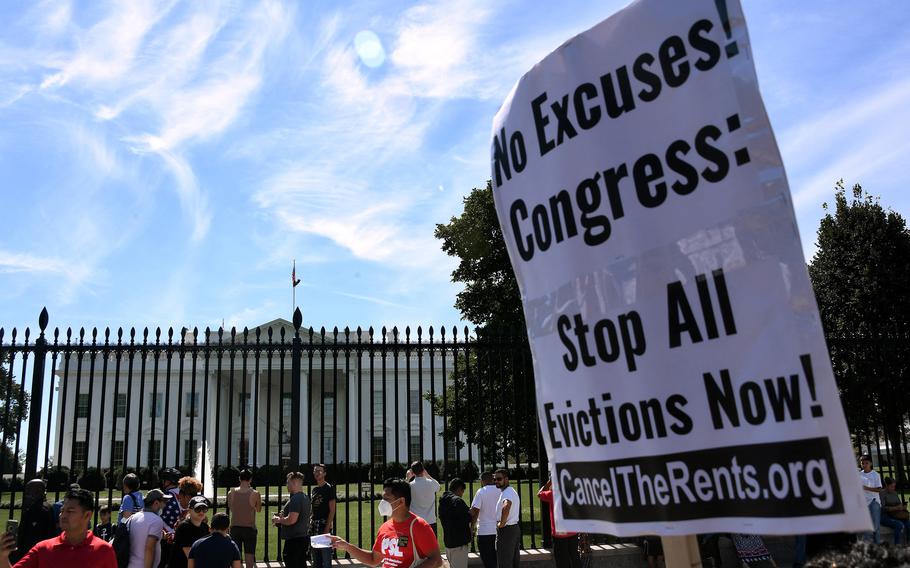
(155, 495)
(171, 474)
(199, 501)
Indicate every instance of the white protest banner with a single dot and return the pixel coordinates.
(683, 382)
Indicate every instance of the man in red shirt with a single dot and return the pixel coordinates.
(565, 544)
(76, 545)
(404, 540)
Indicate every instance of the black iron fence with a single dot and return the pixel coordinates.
(88, 407)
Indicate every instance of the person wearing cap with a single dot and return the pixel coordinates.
(189, 531)
(75, 546)
(173, 511)
(146, 528)
(37, 521)
(216, 550)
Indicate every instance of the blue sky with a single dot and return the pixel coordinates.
(161, 163)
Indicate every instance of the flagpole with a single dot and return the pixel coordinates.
(293, 288)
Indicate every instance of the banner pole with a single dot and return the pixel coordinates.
(681, 551)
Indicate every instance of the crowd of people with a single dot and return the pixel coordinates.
(168, 527)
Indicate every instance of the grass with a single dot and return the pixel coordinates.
(354, 523)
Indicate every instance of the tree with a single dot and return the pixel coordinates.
(861, 277)
(13, 410)
(490, 398)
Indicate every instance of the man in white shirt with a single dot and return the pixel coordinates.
(483, 514)
(508, 533)
(872, 486)
(146, 528)
(423, 494)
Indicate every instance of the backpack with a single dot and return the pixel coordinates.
(121, 543)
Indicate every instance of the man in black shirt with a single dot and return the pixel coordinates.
(216, 550)
(189, 531)
(456, 524)
(322, 501)
(37, 523)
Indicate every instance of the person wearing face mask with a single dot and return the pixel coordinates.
(189, 531)
(403, 541)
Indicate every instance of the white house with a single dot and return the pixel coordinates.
(155, 410)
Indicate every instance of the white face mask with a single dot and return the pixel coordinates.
(385, 508)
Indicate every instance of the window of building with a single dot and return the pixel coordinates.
(377, 449)
(156, 406)
(414, 450)
(414, 402)
(120, 405)
(80, 455)
(118, 459)
(285, 427)
(82, 405)
(328, 407)
(243, 455)
(377, 406)
(328, 447)
(191, 404)
(190, 452)
(243, 404)
(451, 450)
(154, 453)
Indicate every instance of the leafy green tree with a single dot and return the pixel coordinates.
(861, 277)
(13, 409)
(490, 401)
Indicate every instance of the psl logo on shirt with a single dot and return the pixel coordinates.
(390, 547)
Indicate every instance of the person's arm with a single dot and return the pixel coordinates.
(7, 545)
(506, 507)
(150, 543)
(433, 560)
(464, 512)
(331, 518)
(192, 563)
(289, 520)
(257, 501)
(546, 487)
(475, 512)
(366, 557)
(235, 564)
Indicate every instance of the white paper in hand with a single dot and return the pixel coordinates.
(321, 541)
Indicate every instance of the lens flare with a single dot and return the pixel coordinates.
(369, 48)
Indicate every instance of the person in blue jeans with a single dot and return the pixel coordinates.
(894, 510)
(872, 486)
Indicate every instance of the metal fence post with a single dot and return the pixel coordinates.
(295, 391)
(34, 414)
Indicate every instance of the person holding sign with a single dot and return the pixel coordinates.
(508, 533)
(565, 544)
(872, 486)
(403, 541)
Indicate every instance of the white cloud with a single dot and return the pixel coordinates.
(11, 262)
(854, 139)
